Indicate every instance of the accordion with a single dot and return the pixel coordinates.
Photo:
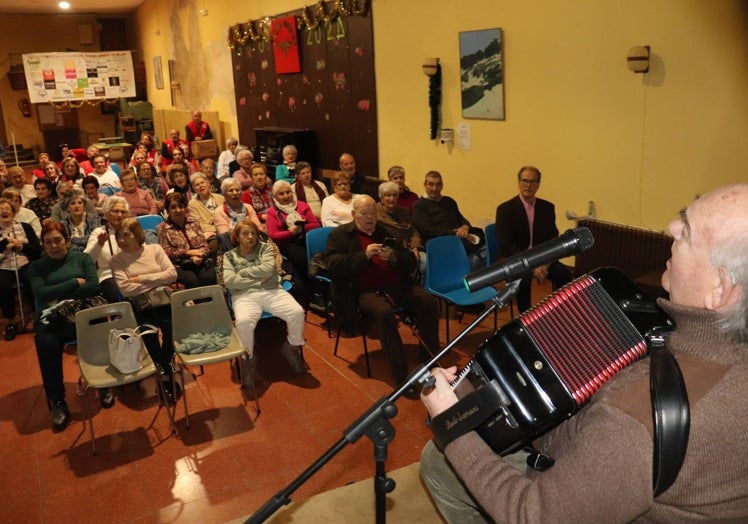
(545, 365)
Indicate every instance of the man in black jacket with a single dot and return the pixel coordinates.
(526, 221)
(366, 270)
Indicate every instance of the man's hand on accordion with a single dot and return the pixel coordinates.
(441, 396)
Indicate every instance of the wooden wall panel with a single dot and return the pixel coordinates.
(334, 94)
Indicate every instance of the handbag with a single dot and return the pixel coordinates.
(126, 349)
(62, 316)
(154, 299)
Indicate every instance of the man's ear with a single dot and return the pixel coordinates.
(725, 294)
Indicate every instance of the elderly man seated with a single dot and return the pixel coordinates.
(368, 270)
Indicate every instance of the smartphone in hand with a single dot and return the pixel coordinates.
(389, 242)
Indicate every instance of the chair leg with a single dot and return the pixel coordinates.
(82, 392)
(446, 318)
(162, 404)
(240, 364)
(366, 353)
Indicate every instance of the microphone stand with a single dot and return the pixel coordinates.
(374, 424)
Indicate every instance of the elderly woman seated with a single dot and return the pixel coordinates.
(251, 275)
(139, 268)
(79, 223)
(337, 208)
(396, 220)
(202, 205)
(183, 241)
(141, 201)
(260, 194)
(287, 223)
(310, 191)
(233, 211)
(19, 246)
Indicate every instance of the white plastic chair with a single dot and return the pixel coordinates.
(92, 327)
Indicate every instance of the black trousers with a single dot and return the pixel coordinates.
(558, 273)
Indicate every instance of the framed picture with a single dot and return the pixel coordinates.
(482, 74)
(158, 72)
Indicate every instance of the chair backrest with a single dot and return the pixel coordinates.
(446, 264)
(199, 309)
(149, 221)
(316, 241)
(92, 328)
(492, 244)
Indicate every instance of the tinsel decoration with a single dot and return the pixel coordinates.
(435, 99)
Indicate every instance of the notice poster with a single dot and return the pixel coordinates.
(63, 77)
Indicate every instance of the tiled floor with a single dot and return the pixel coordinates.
(228, 463)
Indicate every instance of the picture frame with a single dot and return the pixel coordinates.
(158, 72)
(482, 74)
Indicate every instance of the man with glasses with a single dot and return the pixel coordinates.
(371, 272)
(526, 221)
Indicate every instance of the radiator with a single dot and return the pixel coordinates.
(640, 253)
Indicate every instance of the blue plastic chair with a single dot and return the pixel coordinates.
(316, 242)
(149, 221)
(492, 252)
(446, 266)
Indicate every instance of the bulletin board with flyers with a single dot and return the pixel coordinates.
(70, 77)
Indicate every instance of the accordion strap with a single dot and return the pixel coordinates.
(671, 415)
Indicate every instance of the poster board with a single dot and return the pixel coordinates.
(71, 77)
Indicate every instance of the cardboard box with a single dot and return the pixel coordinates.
(204, 149)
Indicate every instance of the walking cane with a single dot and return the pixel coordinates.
(18, 288)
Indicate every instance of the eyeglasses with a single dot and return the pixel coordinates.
(529, 182)
(118, 211)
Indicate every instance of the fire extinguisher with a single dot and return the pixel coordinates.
(25, 106)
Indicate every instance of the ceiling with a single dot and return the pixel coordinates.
(77, 7)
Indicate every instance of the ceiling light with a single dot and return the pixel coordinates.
(64, 5)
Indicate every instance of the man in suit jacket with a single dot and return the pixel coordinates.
(515, 233)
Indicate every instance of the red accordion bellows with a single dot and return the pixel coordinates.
(584, 335)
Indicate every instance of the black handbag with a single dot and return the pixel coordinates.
(153, 299)
(63, 315)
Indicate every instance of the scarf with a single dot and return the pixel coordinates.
(234, 216)
(292, 216)
(301, 195)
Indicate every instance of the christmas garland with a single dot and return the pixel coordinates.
(259, 30)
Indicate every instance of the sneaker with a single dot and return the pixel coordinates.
(248, 367)
(60, 416)
(106, 398)
(10, 331)
(293, 356)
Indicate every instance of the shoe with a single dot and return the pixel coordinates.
(412, 393)
(172, 394)
(106, 398)
(10, 331)
(292, 355)
(248, 367)
(60, 416)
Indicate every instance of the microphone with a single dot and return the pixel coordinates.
(571, 242)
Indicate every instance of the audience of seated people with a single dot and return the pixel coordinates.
(253, 222)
